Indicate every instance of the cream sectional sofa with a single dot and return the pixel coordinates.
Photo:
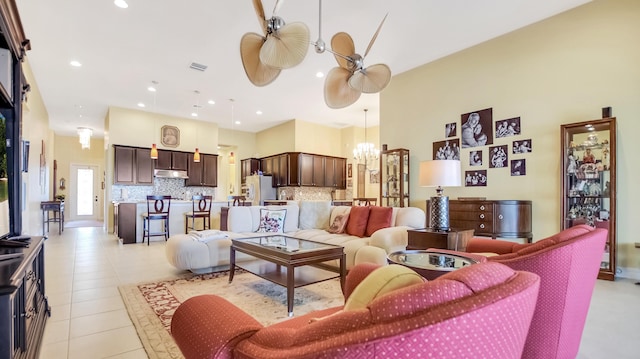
(306, 220)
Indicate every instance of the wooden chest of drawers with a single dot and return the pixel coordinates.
(497, 218)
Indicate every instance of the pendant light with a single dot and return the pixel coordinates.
(154, 149)
(196, 155)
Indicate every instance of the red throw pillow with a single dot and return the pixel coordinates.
(379, 217)
(358, 218)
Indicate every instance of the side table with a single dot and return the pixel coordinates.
(454, 239)
(57, 207)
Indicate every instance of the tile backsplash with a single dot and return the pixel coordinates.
(173, 187)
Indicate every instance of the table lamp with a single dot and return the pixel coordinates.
(439, 173)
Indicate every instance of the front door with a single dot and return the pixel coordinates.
(84, 193)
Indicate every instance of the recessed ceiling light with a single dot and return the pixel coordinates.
(140, 104)
(319, 74)
(75, 63)
(151, 88)
(211, 102)
(258, 112)
(194, 114)
(121, 4)
(237, 122)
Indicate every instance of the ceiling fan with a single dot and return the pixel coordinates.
(281, 46)
(345, 83)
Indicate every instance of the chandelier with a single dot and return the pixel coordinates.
(366, 152)
(85, 137)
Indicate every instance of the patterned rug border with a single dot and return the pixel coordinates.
(152, 327)
(157, 340)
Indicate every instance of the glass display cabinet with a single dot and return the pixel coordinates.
(589, 182)
(394, 178)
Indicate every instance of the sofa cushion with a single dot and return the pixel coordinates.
(339, 219)
(314, 214)
(358, 218)
(272, 220)
(380, 282)
(379, 217)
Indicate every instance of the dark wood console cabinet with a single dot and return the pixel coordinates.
(24, 308)
(495, 219)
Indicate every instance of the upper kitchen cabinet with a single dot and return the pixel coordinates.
(172, 160)
(132, 165)
(203, 173)
(248, 167)
(312, 170)
(335, 169)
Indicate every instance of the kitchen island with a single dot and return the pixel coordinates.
(128, 222)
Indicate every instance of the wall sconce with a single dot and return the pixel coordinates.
(84, 135)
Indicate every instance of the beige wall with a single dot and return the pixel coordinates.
(561, 70)
(277, 139)
(68, 152)
(315, 138)
(36, 183)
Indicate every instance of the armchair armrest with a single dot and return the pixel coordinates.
(356, 275)
(212, 317)
(391, 239)
(482, 245)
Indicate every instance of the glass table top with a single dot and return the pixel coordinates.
(431, 260)
(285, 243)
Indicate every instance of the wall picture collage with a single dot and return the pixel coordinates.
(478, 131)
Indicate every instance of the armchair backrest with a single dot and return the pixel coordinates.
(482, 310)
(568, 265)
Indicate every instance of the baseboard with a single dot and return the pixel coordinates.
(631, 273)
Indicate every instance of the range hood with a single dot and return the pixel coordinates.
(170, 174)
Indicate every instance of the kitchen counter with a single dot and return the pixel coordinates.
(128, 222)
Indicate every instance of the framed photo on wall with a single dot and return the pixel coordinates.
(450, 130)
(508, 127)
(523, 146)
(518, 167)
(475, 158)
(498, 157)
(170, 136)
(349, 170)
(446, 150)
(476, 128)
(475, 178)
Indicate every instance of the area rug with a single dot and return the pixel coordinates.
(151, 305)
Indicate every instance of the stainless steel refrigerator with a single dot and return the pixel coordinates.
(259, 189)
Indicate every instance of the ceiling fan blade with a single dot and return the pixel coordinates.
(258, 73)
(257, 6)
(287, 48)
(372, 79)
(373, 39)
(337, 92)
(342, 43)
(276, 8)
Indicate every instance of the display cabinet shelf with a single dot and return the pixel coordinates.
(589, 182)
(394, 179)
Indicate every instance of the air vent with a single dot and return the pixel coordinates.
(197, 66)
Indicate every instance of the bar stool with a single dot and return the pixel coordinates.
(239, 200)
(157, 209)
(55, 207)
(200, 208)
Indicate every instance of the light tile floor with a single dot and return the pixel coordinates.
(84, 267)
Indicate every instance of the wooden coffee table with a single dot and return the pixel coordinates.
(287, 261)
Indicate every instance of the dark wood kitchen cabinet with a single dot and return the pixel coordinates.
(312, 170)
(132, 165)
(203, 173)
(172, 160)
(335, 169)
(248, 166)
(124, 222)
(491, 218)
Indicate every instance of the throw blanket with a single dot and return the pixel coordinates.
(207, 235)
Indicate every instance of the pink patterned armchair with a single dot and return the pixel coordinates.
(568, 265)
(483, 311)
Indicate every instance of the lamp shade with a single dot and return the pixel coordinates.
(445, 173)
